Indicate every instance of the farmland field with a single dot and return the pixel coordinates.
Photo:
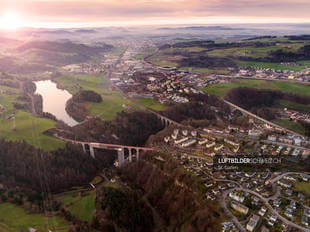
(294, 105)
(284, 86)
(294, 126)
(303, 187)
(206, 70)
(150, 103)
(81, 207)
(301, 65)
(15, 219)
(30, 129)
(112, 100)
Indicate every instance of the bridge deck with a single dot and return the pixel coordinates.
(105, 145)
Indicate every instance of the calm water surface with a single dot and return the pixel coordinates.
(54, 101)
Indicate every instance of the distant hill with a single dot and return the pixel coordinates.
(55, 32)
(86, 31)
(9, 65)
(8, 42)
(198, 28)
(298, 37)
(52, 53)
(60, 53)
(66, 47)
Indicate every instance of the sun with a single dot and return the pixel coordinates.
(10, 21)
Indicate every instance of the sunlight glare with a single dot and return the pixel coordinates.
(10, 21)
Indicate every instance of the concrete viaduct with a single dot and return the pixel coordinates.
(91, 146)
(165, 121)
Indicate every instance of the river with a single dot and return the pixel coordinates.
(54, 100)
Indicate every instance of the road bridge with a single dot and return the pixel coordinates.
(91, 146)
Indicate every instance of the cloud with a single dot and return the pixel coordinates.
(113, 10)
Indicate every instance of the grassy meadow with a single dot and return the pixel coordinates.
(80, 206)
(15, 219)
(112, 100)
(28, 127)
(289, 87)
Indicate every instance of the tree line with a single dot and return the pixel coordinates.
(25, 166)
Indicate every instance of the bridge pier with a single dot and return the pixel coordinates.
(130, 155)
(84, 149)
(137, 155)
(163, 121)
(120, 156)
(92, 151)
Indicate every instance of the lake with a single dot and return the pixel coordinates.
(54, 100)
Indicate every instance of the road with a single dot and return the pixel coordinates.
(283, 219)
(109, 75)
(224, 195)
(227, 211)
(275, 179)
(265, 200)
(284, 144)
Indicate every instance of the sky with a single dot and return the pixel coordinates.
(68, 13)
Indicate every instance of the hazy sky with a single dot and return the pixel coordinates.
(107, 12)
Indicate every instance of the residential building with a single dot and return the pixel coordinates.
(252, 224)
(284, 184)
(181, 140)
(236, 196)
(239, 207)
(255, 134)
(189, 143)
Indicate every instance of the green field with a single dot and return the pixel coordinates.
(112, 100)
(68, 198)
(254, 52)
(162, 59)
(294, 105)
(15, 219)
(243, 51)
(165, 63)
(303, 187)
(6, 100)
(81, 207)
(294, 126)
(144, 53)
(275, 66)
(96, 180)
(150, 103)
(284, 86)
(111, 185)
(206, 70)
(30, 129)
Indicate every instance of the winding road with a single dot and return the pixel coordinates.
(263, 199)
